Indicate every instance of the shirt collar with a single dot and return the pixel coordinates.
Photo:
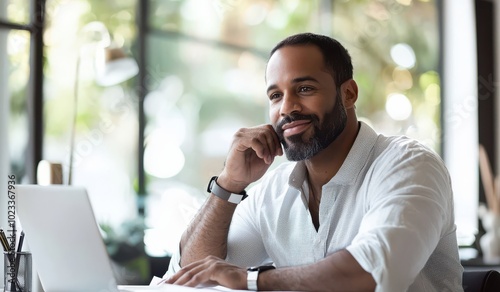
(352, 166)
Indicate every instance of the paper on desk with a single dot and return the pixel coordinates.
(155, 281)
(168, 287)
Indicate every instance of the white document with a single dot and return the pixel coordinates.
(156, 285)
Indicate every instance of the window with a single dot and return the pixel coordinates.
(15, 45)
(19, 64)
(206, 63)
(105, 155)
(203, 78)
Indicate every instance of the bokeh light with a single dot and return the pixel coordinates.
(398, 106)
(403, 55)
(163, 157)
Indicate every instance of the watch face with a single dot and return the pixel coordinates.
(261, 268)
(211, 183)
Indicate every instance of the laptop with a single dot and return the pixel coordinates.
(65, 242)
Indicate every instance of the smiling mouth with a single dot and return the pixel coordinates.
(295, 127)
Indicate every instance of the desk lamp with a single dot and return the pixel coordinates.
(112, 67)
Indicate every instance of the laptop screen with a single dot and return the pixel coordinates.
(63, 236)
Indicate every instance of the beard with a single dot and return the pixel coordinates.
(334, 123)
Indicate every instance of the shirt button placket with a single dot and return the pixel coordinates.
(318, 250)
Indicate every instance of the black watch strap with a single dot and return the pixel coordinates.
(217, 190)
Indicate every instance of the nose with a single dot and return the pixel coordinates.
(290, 104)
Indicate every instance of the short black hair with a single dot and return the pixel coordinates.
(336, 57)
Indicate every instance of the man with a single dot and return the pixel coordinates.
(356, 211)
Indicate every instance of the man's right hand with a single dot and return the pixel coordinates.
(252, 152)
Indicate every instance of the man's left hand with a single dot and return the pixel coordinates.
(211, 271)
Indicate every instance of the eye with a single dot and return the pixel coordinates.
(305, 89)
(274, 96)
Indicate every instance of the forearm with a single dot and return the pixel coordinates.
(251, 153)
(207, 233)
(337, 272)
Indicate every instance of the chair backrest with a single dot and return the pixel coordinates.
(481, 281)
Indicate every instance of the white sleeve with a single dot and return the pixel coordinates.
(409, 210)
(174, 265)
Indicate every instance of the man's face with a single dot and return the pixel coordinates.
(306, 109)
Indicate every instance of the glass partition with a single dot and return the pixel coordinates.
(18, 68)
(207, 59)
(16, 11)
(205, 64)
(104, 155)
(14, 84)
(395, 48)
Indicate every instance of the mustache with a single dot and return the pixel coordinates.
(292, 118)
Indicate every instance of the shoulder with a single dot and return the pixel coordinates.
(401, 163)
(386, 151)
(391, 151)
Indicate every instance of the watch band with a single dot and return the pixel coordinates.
(252, 280)
(217, 190)
(253, 275)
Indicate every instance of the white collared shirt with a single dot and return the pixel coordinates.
(390, 205)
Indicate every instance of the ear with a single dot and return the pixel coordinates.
(349, 93)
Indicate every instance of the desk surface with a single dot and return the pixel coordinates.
(170, 288)
(165, 288)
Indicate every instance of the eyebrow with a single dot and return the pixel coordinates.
(295, 80)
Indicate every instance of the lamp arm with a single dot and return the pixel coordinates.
(73, 126)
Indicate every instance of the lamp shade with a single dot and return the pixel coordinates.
(114, 67)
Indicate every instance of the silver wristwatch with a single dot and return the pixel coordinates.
(253, 275)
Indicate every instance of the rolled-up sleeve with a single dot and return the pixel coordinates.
(174, 265)
(409, 210)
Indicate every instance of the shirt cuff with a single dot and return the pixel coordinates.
(372, 260)
(366, 263)
(174, 265)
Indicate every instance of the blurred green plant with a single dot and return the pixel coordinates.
(125, 246)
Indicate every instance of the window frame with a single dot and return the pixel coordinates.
(34, 103)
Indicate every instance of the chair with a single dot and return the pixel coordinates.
(481, 281)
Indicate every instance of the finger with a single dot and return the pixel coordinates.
(270, 144)
(219, 273)
(261, 148)
(261, 139)
(181, 272)
(197, 272)
(275, 143)
(174, 277)
(194, 276)
(278, 147)
(163, 281)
